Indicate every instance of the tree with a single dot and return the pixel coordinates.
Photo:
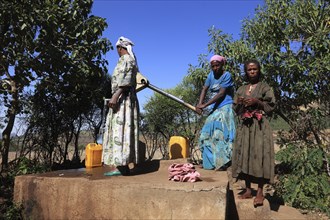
(291, 39)
(54, 45)
(164, 117)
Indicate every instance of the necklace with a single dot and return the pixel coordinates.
(251, 88)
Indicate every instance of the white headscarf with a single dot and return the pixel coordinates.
(126, 43)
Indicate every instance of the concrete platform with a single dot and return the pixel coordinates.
(146, 194)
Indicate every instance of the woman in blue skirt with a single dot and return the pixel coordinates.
(217, 135)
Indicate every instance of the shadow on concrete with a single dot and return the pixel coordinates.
(231, 210)
(142, 168)
(145, 167)
(275, 202)
(208, 179)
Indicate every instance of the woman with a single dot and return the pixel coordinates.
(253, 153)
(120, 140)
(218, 132)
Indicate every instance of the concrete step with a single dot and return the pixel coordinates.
(286, 212)
(270, 210)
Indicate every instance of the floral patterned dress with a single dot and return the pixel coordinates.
(120, 139)
(253, 149)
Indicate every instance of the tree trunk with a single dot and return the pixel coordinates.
(76, 156)
(11, 115)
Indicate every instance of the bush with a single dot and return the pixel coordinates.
(303, 181)
(279, 124)
(21, 166)
(14, 212)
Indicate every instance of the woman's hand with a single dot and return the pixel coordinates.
(250, 102)
(113, 104)
(240, 100)
(199, 108)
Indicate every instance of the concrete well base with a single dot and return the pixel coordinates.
(146, 194)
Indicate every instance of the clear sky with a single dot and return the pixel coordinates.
(169, 35)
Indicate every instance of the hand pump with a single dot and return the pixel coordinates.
(142, 82)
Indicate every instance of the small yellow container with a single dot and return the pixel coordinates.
(178, 147)
(93, 156)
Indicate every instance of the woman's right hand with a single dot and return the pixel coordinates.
(112, 103)
(240, 100)
(250, 102)
(199, 110)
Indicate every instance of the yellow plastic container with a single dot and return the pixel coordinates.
(93, 156)
(178, 147)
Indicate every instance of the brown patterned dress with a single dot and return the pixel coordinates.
(253, 149)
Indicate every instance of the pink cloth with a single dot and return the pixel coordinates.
(218, 58)
(183, 173)
(250, 114)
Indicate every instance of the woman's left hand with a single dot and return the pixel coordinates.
(250, 102)
(200, 106)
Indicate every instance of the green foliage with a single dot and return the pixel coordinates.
(167, 118)
(26, 166)
(279, 124)
(20, 166)
(55, 50)
(14, 212)
(291, 40)
(166, 115)
(304, 182)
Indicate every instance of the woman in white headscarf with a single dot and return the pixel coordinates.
(120, 139)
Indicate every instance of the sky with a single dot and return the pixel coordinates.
(170, 34)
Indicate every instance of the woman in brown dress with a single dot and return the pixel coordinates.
(253, 150)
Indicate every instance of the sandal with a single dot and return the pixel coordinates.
(113, 173)
(258, 201)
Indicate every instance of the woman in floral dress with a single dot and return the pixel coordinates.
(120, 139)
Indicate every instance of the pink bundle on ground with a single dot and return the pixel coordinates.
(183, 172)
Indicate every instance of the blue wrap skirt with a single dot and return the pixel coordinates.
(217, 137)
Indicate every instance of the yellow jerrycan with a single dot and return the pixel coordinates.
(93, 156)
(178, 147)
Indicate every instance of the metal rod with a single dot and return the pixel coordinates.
(142, 83)
(172, 97)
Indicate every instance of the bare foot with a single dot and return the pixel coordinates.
(246, 195)
(258, 201)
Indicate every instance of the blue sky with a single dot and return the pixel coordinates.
(169, 35)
